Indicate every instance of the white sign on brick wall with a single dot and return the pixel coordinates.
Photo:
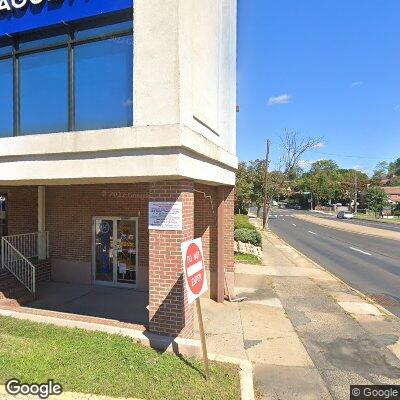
(165, 216)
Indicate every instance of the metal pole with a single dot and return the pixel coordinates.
(203, 339)
(265, 186)
(355, 193)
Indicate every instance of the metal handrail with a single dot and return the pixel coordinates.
(18, 265)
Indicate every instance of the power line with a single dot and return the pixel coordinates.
(348, 156)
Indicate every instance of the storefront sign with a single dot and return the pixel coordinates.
(165, 216)
(194, 269)
(23, 15)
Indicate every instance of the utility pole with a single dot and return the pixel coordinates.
(355, 192)
(265, 217)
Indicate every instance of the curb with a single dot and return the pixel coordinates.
(245, 374)
(362, 295)
(63, 396)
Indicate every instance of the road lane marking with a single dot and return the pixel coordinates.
(360, 251)
(313, 233)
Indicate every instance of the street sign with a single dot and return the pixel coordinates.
(195, 278)
(194, 269)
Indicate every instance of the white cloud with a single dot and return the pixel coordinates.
(356, 83)
(303, 164)
(128, 103)
(319, 145)
(281, 99)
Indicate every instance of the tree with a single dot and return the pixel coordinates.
(380, 171)
(394, 168)
(323, 165)
(257, 177)
(375, 199)
(295, 147)
(244, 188)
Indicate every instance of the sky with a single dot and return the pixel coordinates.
(327, 69)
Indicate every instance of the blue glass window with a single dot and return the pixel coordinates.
(104, 86)
(6, 98)
(91, 61)
(5, 50)
(44, 92)
(48, 41)
(103, 30)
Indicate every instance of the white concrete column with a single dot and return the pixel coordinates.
(42, 250)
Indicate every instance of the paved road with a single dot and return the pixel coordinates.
(370, 264)
(381, 225)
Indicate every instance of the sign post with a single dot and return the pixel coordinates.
(196, 284)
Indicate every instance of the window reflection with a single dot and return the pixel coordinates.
(44, 92)
(6, 98)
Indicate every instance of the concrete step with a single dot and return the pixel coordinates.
(12, 292)
(20, 301)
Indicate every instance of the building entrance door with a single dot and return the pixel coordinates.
(115, 253)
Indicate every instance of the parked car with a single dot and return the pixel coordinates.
(345, 215)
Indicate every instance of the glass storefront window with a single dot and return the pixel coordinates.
(44, 92)
(68, 78)
(104, 68)
(48, 41)
(103, 30)
(6, 98)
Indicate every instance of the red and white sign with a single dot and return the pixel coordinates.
(194, 269)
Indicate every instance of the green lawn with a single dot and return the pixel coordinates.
(369, 217)
(102, 364)
(247, 259)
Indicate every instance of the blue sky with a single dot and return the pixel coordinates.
(321, 68)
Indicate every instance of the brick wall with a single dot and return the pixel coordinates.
(207, 200)
(21, 209)
(229, 223)
(70, 211)
(169, 312)
(205, 222)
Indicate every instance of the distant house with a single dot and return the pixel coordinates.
(393, 193)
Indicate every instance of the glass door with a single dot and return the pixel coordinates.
(115, 253)
(127, 251)
(104, 250)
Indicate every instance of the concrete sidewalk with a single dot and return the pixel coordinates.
(308, 335)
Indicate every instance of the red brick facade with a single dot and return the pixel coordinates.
(229, 206)
(170, 313)
(69, 216)
(205, 213)
(70, 211)
(22, 209)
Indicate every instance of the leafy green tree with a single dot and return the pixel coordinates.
(394, 168)
(380, 171)
(375, 199)
(323, 165)
(244, 188)
(257, 177)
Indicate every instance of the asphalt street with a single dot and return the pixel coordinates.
(369, 264)
(381, 225)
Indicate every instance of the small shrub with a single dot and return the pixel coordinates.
(242, 221)
(248, 236)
